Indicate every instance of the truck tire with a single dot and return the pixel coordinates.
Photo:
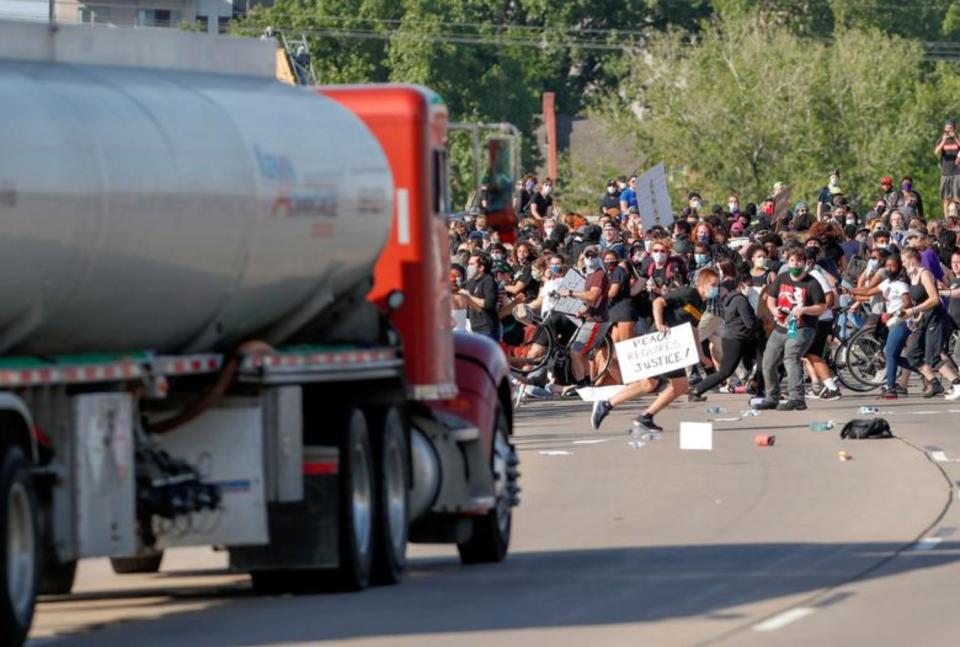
(490, 540)
(20, 543)
(357, 504)
(148, 563)
(393, 498)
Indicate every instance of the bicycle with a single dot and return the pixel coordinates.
(555, 356)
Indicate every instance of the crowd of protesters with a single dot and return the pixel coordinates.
(768, 287)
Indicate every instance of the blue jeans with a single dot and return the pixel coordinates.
(896, 340)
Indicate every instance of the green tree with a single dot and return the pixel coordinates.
(743, 107)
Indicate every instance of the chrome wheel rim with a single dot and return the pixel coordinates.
(361, 497)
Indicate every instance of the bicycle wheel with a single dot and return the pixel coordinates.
(866, 364)
(606, 348)
(521, 361)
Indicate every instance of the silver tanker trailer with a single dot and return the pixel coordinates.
(187, 356)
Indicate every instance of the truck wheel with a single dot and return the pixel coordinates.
(357, 504)
(393, 498)
(20, 542)
(149, 563)
(491, 532)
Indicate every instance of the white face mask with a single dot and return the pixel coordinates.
(471, 271)
(647, 244)
(547, 190)
(548, 231)
(733, 206)
(659, 258)
(611, 190)
(872, 265)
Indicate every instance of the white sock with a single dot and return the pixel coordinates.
(831, 383)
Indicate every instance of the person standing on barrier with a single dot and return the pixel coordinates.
(797, 300)
(676, 308)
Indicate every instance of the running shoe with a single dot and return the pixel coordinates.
(934, 389)
(830, 394)
(901, 390)
(600, 410)
(954, 393)
(766, 405)
(695, 397)
(815, 390)
(646, 423)
(888, 394)
(792, 405)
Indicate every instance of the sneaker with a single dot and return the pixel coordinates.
(792, 405)
(696, 397)
(900, 390)
(933, 389)
(600, 410)
(888, 394)
(646, 423)
(830, 394)
(816, 390)
(954, 393)
(765, 405)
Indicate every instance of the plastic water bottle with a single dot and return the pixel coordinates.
(749, 413)
(639, 440)
(821, 426)
(866, 411)
(792, 328)
(755, 401)
(716, 410)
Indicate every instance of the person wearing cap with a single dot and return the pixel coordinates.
(888, 194)
(825, 199)
(594, 320)
(948, 150)
(695, 202)
(611, 197)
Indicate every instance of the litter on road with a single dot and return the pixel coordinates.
(844, 456)
(821, 426)
(696, 436)
(764, 440)
(555, 452)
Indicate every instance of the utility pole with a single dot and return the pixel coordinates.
(53, 12)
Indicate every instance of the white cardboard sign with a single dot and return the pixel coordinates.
(653, 198)
(573, 280)
(657, 353)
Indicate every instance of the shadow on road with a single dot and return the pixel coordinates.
(539, 589)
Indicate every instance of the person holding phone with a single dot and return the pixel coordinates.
(948, 149)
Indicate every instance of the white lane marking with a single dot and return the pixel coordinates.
(595, 441)
(940, 457)
(556, 452)
(783, 619)
(927, 543)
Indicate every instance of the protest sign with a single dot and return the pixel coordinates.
(653, 198)
(573, 280)
(656, 353)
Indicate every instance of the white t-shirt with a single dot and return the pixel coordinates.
(827, 287)
(893, 292)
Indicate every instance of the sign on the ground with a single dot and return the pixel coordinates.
(657, 353)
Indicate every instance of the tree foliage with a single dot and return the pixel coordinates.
(745, 107)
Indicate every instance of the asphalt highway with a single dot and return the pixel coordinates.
(617, 545)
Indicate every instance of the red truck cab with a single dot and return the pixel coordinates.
(410, 123)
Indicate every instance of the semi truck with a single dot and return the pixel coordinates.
(225, 322)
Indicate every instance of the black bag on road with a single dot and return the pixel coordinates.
(860, 428)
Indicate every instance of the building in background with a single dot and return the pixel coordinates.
(210, 16)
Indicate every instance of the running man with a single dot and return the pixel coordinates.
(676, 308)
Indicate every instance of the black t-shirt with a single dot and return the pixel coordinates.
(542, 202)
(484, 287)
(684, 305)
(531, 288)
(948, 158)
(611, 201)
(620, 276)
(790, 293)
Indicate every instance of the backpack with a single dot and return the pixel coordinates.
(862, 428)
